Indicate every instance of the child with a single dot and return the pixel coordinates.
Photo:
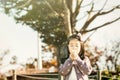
(77, 66)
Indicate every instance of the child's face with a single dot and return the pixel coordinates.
(74, 46)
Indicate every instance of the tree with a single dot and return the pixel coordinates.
(40, 15)
(55, 20)
(112, 55)
(92, 14)
(3, 54)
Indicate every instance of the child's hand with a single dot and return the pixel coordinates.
(73, 56)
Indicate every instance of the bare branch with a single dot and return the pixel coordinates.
(103, 25)
(99, 13)
(89, 12)
(85, 14)
(89, 36)
(88, 22)
(116, 7)
(87, 4)
(104, 5)
(77, 10)
(108, 9)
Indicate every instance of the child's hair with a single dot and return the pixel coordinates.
(81, 53)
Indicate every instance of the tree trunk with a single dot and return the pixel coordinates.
(67, 21)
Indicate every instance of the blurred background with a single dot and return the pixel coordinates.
(33, 34)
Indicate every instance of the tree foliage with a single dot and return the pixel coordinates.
(112, 55)
(56, 19)
(3, 54)
(41, 16)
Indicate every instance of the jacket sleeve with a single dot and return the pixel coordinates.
(84, 65)
(65, 68)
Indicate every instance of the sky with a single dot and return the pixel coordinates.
(22, 40)
(108, 33)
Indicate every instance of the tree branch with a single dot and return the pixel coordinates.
(89, 36)
(116, 7)
(87, 4)
(77, 10)
(88, 22)
(89, 12)
(103, 5)
(103, 25)
(99, 13)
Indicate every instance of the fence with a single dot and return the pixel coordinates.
(52, 76)
(43, 76)
(40, 76)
